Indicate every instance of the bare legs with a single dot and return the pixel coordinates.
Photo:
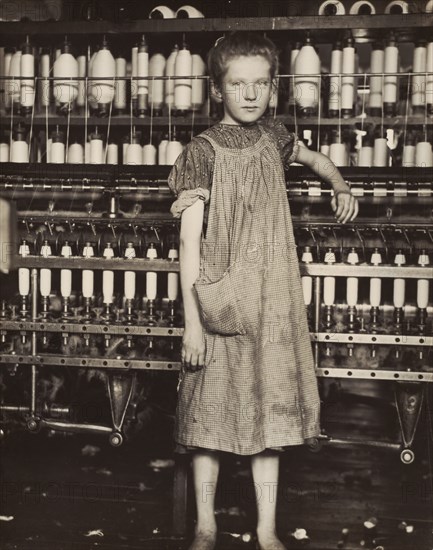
(205, 465)
(265, 475)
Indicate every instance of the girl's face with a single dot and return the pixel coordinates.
(246, 89)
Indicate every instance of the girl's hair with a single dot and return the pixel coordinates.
(237, 44)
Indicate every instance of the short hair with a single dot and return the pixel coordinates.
(236, 44)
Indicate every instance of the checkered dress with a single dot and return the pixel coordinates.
(258, 390)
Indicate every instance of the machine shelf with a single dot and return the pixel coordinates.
(204, 121)
(362, 26)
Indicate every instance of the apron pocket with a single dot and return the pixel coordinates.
(219, 307)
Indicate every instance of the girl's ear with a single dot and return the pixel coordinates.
(215, 93)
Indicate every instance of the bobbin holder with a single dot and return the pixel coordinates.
(75, 205)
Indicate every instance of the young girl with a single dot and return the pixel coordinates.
(247, 384)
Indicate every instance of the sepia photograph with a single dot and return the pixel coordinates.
(216, 266)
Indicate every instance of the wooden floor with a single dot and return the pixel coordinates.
(77, 493)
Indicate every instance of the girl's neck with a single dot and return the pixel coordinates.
(249, 125)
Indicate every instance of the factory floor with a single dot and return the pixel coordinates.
(75, 492)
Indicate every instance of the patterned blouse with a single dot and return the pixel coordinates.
(191, 176)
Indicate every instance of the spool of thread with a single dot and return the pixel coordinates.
(156, 87)
(331, 8)
(348, 82)
(120, 87)
(14, 82)
(151, 276)
(87, 152)
(377, 66)
(419, 66)
(365, 156)
(107, 286)
(329, 282)
(24, 281)
(183, 86)
(170, 71)
(8, 53)
(104, 66)
(307, 280)
(57, 155)
(162, 151)
(399, 284)
(48, 151)
(65, 66)
(44, 71)
(391, 79)
(27, 70)
(174, 149)
(307, 87)
(149, 154)
(173, 277)
(375, 282)
(8, 234)
(198, 84)
(130, 276)
(96, 148)
(134, 152)
(66, 274)
(380, 152)
(108, 277)
(125, 145)
(19, 151)
(4, 152)
(397, 7)
(334, 103)
(352, 282)
(423, 154)
(92, 99)
(362, 8)
(408, 157)
(375, 291)
(188, 12)
(423, 284)
(24, 272)
(88, 276)
(324, 146)
(75, 154)
(338, 151)
(143, 83)
(45, 274)
(82, 69)
(134, 74)
(292, 84)
(112, 153)
(162, 12)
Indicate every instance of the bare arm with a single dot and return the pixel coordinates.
(193, 345)
(343, 203)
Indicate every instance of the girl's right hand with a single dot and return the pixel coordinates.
(193, 348)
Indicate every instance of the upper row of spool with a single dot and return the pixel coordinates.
(101, 84)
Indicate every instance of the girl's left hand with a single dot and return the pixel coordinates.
(345, 206)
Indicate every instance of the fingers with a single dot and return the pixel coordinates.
(192, 360)
(356, 211)
(334, 204)
(347, 208)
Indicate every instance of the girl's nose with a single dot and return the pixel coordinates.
(251, 92)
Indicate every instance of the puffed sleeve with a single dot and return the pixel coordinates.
(190, 178)
(287, 142)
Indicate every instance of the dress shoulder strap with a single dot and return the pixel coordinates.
(210, 140)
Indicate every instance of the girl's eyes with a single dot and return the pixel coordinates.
(261, 83)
